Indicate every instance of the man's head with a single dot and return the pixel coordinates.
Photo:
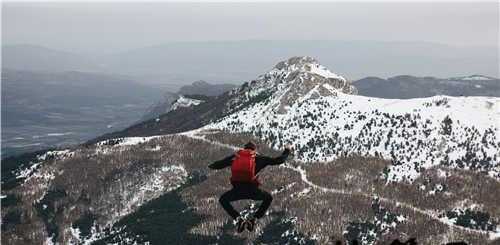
(250, 145)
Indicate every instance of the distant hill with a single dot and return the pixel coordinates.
(407, 87)
(244, 60)
(38, 58)
(203, 88)
(199, 91)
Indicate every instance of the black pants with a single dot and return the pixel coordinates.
(245, 191)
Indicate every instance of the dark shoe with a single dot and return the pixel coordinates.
(240, 224)
(250, 224)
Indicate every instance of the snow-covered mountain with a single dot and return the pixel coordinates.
(295, 79)
(365, 169)
(306, 105)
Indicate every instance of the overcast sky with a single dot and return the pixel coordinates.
(109, 27)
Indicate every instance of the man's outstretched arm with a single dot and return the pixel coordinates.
(226, 162)
(264, 160)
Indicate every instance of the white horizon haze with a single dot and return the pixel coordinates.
(97, 27)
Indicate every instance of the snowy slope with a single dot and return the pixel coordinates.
(184, 102)
(324, 122)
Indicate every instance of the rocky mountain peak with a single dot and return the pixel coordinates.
(297, 61)
(304, 65)
(200, 83)
(290, 81)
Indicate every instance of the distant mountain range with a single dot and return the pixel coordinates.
(407, 87)
(175, 64)
(38, 58)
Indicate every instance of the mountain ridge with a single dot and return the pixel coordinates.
(247, 94)
(408, 87)
(243, 60)
(198, 90)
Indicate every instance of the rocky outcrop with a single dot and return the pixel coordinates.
(293, 80)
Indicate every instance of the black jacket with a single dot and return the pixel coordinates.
(260, 161)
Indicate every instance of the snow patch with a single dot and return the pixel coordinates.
(473, 78)
(185, 102)
(60, 155)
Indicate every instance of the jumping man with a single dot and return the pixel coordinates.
(245, 165)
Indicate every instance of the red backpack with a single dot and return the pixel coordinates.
(243, 167)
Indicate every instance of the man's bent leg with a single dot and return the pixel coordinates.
(226, 199)
(266, 199)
